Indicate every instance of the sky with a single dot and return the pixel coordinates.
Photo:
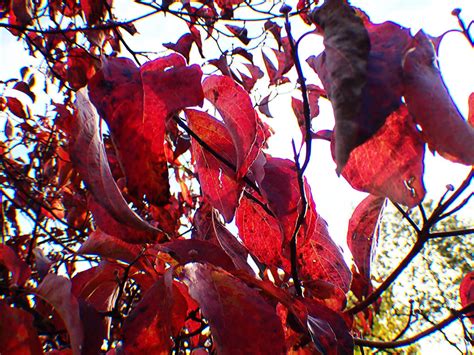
(335, 199)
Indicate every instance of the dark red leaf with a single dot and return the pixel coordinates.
(226, 302)
(263, 106)
(109, 225)
(240, 32)
(135, 103)
(88, 154)
(218, 182)
(255, 73)
(390, 164)
(80, 67)
(16, 107)
(237, 111)
(97, 285)
(275, 30)
(428, 100)
(194, 250)
(17, 333)
(24, 88)
(361, 237)
(470, 116)
(56, 290)
(19, 269)
(344, 64)
(466, 291)
(159, 316)
(93, 10)
(107, 246)
(244, 53)
(182, 46)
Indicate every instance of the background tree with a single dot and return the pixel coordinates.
(122, 177)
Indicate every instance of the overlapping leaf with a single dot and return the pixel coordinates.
(17, 333)
(236, 109)
(56, 290)
(88, 154)
(135, 103)
(156, 318)
(361, 237)
(218, 181)
(226, 302)
(343, 69)
(428, 100)
(19, 269)
(390, 164)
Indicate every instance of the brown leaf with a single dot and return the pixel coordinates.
(345, 62)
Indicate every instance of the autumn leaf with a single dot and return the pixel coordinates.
(390, 164)
(156, 318)
(344, 64)
(226, 302)
(182, 46)
(361, 239)
(237, 111)
(18, 268)
(88, 154)
(428, 100)
(218, 181)
(56, 290)
(17, 332)
(135, 103)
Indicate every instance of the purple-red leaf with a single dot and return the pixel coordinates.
(238, 316)
(19, 269)
(236, 109)
(218, 181)
(159, 316)
(182, 46)
(390, 164)
(135, 103)
(240, 32)
(428, 100)
(361, 237)
(17, 333)
(56, 290)
(88, 154)
(195, 250)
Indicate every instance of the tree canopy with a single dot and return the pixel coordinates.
(142, 212)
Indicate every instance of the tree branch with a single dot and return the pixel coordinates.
(408, 341)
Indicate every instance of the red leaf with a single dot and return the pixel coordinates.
(218, 182)
(259, 232)
(109, 225)
(361, 238)
(93, 10)
(24, 88)
(80, 68)
(319, 257)
(16, 107)
(56, 290)
(390, 164)
(328, 329)
(275, 30)
(17, 333)
(240, 32)
(345, 64)
(107, 246)
(194, 250)
(268, 238)
(97, 285)
(226, 302)
(182, 46)
(159, 316)
(255, 73)
(428, 100)
(19, 269)
(470, 116)
(88, 154)
(135, 103)
(466, 291)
